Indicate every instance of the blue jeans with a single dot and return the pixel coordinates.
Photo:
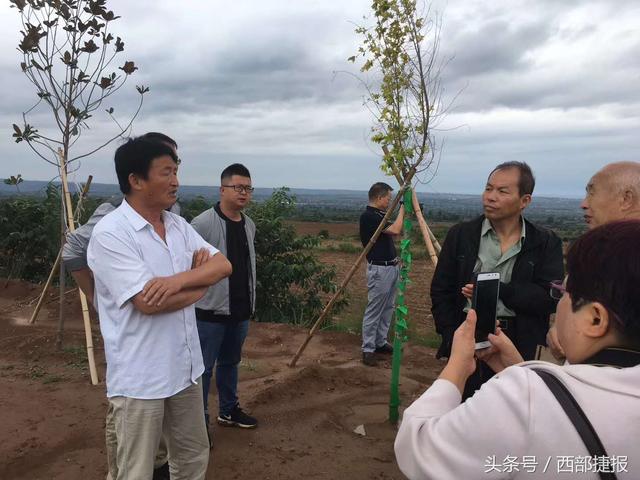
(221, 345)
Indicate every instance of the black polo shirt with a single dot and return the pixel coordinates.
(384, 249)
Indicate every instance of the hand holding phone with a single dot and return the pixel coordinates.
(485, 303)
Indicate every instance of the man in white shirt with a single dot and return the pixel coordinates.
(150, 267)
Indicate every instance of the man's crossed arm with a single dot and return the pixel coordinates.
(167, 294)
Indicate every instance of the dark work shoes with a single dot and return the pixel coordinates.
(369, 359)
(237, 418)
(385, 349)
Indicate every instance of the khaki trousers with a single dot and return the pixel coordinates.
(111, 441)
(141, 424)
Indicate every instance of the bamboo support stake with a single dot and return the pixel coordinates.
(418, 212)
(32, 320)
(83, 194)
(424, 229)
(353, 269)
(35, 313)
(434, 239)
(83, 299)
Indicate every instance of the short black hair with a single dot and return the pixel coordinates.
(234, 169)
(160, 137)
(527, 181)
(603, 265)
(136, 155)
(379, 189)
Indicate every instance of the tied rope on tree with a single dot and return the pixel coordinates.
(402, 311)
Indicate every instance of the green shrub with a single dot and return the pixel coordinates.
(29, 235)
(292, 284)
(190, 209)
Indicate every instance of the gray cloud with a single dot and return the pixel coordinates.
(553, 83)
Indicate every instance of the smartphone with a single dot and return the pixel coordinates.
(485, 303)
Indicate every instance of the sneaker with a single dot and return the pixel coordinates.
(369, 359)
(386, 349)
(237, 418)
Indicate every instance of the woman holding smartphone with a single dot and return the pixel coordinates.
(523, 423)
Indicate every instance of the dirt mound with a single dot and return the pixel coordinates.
(53, 419)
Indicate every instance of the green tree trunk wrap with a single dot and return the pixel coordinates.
(402, 311)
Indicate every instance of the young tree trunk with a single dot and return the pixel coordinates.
(61, 274)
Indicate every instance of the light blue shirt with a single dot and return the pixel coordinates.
(491, 259)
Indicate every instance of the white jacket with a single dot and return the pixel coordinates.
(514, 420)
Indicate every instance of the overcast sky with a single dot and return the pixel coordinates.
(553, 83)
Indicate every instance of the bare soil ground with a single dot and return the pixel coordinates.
(52, 418)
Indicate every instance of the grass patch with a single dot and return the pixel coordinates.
(430, 339)
(36, 371)
(77, 357)
(341, 247)
(50, 378)
(350, 319)
(248, 365)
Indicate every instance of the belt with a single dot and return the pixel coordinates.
(384, 263)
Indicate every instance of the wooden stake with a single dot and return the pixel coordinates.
(419, 215)
(434, 239)
(35, 313)
(424, 229)
(353, 269)
(83, 299)
(32, 320)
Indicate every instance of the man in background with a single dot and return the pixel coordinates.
(382, 273)
(223, 313)
(612, 194)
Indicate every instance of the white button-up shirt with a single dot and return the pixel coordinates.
(148, 356)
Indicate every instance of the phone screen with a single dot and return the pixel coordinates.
(485, 303)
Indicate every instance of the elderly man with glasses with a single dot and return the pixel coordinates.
(223, 313)
(612, 194)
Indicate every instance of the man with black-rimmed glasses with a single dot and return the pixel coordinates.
(223, 313)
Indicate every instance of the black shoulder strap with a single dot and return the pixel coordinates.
(577, 417)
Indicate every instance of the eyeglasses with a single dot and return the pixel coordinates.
(557, 289)
(241, 188)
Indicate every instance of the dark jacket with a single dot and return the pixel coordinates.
(538, 263)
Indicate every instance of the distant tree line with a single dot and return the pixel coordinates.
(292, 282)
